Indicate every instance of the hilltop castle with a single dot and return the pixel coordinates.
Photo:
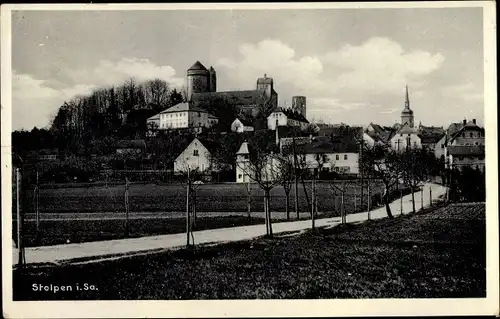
(202, 90)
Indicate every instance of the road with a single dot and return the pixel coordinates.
(98, 251)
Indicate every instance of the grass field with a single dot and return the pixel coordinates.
(438, 254)
(210, 197)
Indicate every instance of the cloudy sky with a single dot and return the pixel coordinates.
(351, 64)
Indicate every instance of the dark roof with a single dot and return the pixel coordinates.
(453, 128)
(265, 80)
(211, 145)
(240, 98)
(377, 128)
(326, 144)
(290, 114)
(466, 150)
(197, 66)
(430, 134)
(244, 120)
(470, 126)
(131, 144)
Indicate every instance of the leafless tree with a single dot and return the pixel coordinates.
(156, 93)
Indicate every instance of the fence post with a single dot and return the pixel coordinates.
(401, 196)
(369, 202)
(126, 207)
(313, 198)
(355, 202)
(37, 208)
(430, 195)
(249, 200)
(342, 210)
(422, 198)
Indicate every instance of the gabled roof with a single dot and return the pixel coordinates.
(197, 66)
(131, 144)
(406, 129)
(245, 121)
(430, 134)
(154, 117)
(182, 107)
(291, 114)
(328, 145)
(211, 116)
(475, 150)
(470, 126)
(243, 149)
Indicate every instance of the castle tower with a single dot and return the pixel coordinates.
(243, 164)
(213, 80)
(198, 78)
(265, 84)
(407, 113)
(299, 104)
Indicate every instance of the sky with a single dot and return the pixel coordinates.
(351, 64)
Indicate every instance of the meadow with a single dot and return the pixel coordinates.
(437, 253)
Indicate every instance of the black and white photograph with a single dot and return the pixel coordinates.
(339, 153)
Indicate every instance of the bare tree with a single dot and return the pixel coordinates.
(384, 164)
(414, 169)
(287, 176)
(156, 93)
(264, 168)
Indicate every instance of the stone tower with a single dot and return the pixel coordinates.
(299, 104)
(213, 80)
(265, 84)
(407, 113)
(198, 80)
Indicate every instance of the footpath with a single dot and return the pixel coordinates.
(112, 249)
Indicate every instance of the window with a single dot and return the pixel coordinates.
(239, 175)
(442, 145)
(477, 143)
(337, 157)
(195, 152)
(345, 157)
(471, 134)
(245, 156)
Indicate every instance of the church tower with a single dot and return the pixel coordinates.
(407, 113)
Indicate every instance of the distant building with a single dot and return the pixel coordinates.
(182, 116)
(299, 105)
(406, 137)
(465, 146)
(243, 166)
(196, 156)
(202, 92)
(286, 117)
(241, 125)
(130, 147)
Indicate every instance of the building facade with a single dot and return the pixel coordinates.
(286, 117)
(196, 156)
(184, 115)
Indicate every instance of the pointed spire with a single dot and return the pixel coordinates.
(407, 99)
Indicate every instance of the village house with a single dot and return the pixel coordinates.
(241, 125)
(182, 116)
(286, 117)
(195, 156)
(465, 146)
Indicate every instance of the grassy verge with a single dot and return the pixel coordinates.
(438, 254)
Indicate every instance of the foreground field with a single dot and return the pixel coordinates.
(222, 198)
(434, 254)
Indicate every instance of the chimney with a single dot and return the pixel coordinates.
(474, 121)
(465, 121)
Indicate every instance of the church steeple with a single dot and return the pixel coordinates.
(407, 113)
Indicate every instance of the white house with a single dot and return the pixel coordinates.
(406, 137)
(245, 171)
(241, 125)
(286, 117)
(184, 115)
(324, 154)
(196, 156)
(465, 147)
(243, 164)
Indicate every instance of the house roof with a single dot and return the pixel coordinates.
(245, 121)
(461, 150)
(182, 107)
(154, 117)
(430, 134)
(131, 144)
(211, 116)
(328, 145)
(406, 129)
(470, 126)
(291, 114)
(243, 149)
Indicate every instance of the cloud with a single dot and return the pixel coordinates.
(35, 101)
(380, 65)
(465, 91)
(349, 78)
